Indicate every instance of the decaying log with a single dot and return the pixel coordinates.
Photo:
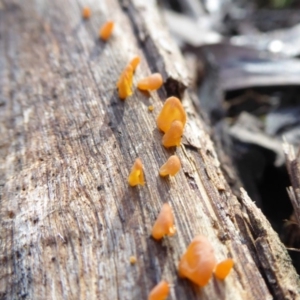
(68, 219)
(293, 167)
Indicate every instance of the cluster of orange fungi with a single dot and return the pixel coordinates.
(105, 30)
(198, 263)
(124, 85)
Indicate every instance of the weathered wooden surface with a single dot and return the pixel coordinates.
(293, 167)
(292, 228)
(68, 219)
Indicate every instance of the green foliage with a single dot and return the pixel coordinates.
(281, 3)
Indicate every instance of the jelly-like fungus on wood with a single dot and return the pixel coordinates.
(136, 176)
(129, 69)
(173, 136)
(223, 268)
(171, 167)
(124, 83)
(171, 111)
(151, 83)
(164, 224)
(135, 62)
(160, 291)
(198, 262)
(86, 13)
(150, 107)
(106, 30)
(132, 260)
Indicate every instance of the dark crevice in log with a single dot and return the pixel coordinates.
(174, 87)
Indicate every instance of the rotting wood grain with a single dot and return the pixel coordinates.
(69, 222)
(293, 167)
(272, 256)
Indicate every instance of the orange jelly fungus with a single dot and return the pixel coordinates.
(106, 30)
(164, 224)
(151, 83)
(150, 107)
(86, 12)
(160, 291)
(173, 136)
(124, 83)
(223, 268)
(171, 111)
(171, 167)
(135, 62)
(132, 260)
(136, 176)
(198, 262)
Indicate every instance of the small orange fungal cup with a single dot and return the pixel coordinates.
(171, 167)
(124, 83)
(132, 260)
(223, 268)
(86, 13)
(135, 62)
(136, 176)
(106, 30)
(151, 83)
(198, 262)
(171, 111)
(173, 136)
(160, 291)
(164, 224)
